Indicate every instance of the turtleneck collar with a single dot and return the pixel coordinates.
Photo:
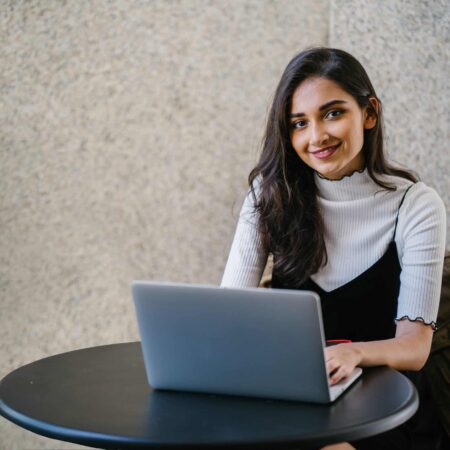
(356, 186)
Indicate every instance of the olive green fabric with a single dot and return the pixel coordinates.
(437, 368)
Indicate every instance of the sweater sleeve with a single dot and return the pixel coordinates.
(421, 248)
(246, 260)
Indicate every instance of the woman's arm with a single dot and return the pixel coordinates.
(421, 247)
(246, 260)
(408, 350)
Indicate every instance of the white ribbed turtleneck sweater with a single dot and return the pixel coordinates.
(359, 218)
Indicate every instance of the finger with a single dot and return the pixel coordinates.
(332, 365)
(341, 373)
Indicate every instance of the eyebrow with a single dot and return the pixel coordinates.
(321, 108)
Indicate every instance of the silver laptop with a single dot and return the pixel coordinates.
(250, 342)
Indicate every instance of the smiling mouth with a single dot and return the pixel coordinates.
(326, 152)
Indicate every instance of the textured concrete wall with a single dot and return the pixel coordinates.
(127, 131)
(405, 47)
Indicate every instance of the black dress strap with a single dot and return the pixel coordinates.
(399, 207)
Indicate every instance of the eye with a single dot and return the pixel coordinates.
(334, 113)
(298, 124)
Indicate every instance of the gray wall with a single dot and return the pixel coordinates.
(128, 130)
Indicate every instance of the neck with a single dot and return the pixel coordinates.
(354, 186)
(343, 176)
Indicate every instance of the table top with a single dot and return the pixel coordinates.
(100, 397)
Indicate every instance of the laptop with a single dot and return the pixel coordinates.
(249, 342)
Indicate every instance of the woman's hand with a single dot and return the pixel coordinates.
(409, 350)
(341, 360)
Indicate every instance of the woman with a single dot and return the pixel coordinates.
(340, 220)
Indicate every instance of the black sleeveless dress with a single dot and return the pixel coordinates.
(364, 309)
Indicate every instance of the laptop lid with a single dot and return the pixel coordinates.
(252, 342)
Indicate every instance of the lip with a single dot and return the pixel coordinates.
(325, 152)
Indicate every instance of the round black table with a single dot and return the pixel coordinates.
(100, 397)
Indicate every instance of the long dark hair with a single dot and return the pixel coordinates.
(289, 221)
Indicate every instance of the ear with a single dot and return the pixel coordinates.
(371, 113)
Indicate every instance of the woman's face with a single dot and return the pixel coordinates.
(327, 127)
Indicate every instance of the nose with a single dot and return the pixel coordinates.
(319, 136)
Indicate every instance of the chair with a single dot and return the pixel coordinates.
(433, 418)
